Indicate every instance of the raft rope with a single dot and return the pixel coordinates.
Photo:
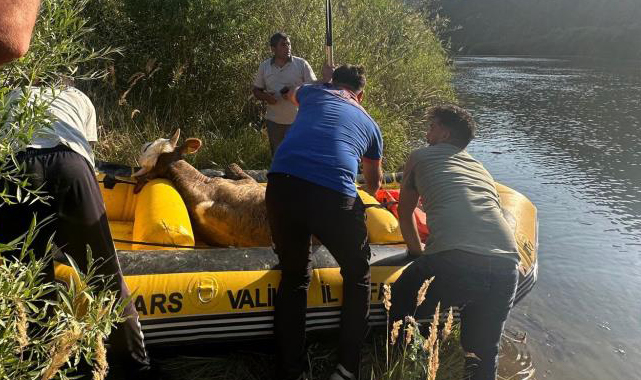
(162, 244)
(110, 181)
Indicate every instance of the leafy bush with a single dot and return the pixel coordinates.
(190, 64)
(46, 329)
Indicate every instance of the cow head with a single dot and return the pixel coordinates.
(156, 157)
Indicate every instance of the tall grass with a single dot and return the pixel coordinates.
(46, 329)
(190, 64)
(408, 352)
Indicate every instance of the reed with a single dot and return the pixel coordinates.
(415, 357)
(65, 345)
(100, 367)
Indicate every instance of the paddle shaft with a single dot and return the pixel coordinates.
(329, 51)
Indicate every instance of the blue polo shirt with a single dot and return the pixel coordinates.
(329, 136)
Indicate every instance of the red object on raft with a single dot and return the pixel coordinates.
(389, 198)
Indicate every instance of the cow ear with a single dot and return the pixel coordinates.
(174, 138)
(191, 145)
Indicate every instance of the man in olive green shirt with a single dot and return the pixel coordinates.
(470, 252)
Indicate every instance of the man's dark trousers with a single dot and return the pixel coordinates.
(298, 209)
(482, 286)
(276, 134)
(79, 220)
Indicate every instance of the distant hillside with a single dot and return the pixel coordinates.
(604, 28)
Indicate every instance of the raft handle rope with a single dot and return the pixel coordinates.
(162, 244)
(110, 181)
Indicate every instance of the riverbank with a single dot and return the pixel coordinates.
(178, 69)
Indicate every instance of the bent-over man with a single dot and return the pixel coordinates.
(311, 191)
(276, 75)
(471, 251)
(60, 161)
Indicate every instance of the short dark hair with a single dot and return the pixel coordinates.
(350, 76)
(275, 39)
(460, 123)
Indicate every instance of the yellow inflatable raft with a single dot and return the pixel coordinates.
(188, 293)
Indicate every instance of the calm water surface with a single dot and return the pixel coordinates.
(567, 135)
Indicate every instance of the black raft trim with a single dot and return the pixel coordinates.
(135, 263)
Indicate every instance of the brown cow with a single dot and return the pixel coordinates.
(224, 211)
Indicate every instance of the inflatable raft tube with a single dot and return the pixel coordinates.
(187, 296)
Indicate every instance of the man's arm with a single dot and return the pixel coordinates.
(373, 174)
(407, 203)
(259, 86)
(17, 18)
(308, 73)
(327, 72)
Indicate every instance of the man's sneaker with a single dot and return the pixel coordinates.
(342, 374)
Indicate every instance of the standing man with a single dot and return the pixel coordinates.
(275, 76)
(311, 191)
(471, 251)
(60, 162)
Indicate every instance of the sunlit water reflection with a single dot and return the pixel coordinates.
(566, 134)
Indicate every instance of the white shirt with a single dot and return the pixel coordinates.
(272, 79)
(73, 120)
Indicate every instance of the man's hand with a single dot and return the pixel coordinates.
(269, 98)
(261, 94)
(327, 71)
(418, 253)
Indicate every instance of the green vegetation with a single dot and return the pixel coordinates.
(190, 64)
(599, 28)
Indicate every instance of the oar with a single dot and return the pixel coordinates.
(329, 52)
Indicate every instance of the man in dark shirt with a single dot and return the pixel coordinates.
(311, 191)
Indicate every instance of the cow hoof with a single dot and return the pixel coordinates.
(234, 172)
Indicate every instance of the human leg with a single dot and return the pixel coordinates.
(16, 218)
(276, 133)
(291, 240)
(82, 222)
(79, 219)
(483, 320)
(339, 223)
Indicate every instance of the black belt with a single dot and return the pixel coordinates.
(32, 152)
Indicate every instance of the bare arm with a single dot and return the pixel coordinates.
(261, 94)
(327, 72)
(373, 174)
(407, 203)
(17, 18)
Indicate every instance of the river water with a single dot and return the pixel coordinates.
(567, 135)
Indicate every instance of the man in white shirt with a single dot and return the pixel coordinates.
(59, 161)
(275, 77)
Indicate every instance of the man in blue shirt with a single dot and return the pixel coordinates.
(311, 191)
